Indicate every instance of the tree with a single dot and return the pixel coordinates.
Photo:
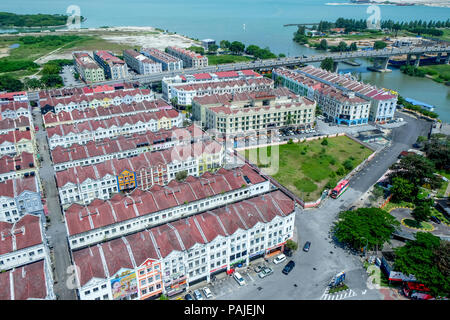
(417, 169)
(379, 45)
(291, 245)
(423, 258)
(342, 46)
(50, 68)
(8, 83)
(213, 48)
(32, 83)
(252, 49)
(421, 213)
(51, 80)
(353, 47)
(402, 189)
(163, 297)
(327, 64)
(225, 44)
(373, 226)
(324, 142)
(181, 175)
(196, 49)
(237, 47)
(281, 55)
(438, 151)
(323, 45)
(348, 164)
(174, 101)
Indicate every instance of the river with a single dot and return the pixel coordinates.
(257, 22)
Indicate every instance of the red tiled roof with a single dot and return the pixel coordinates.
(11, 124)
(25, 232)
(15, 136)
(101, 213)
(8, 163)
(28, 282)
(14, 187)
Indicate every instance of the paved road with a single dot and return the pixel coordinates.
(56, 232)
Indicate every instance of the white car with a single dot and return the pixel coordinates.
(279, 259)
(207, 292)
(237, 276)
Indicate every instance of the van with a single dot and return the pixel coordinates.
(237, 276)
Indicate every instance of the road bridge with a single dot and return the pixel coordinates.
(382, 55)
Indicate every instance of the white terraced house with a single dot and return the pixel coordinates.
(92, 130)
(84, 101)
(188, 250)
(22, 242)
(15, 109)
(125, 214)
(94, 152)
(101, 181)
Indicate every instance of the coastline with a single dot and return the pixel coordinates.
(426, 3)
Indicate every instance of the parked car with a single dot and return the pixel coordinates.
(237, 276)
(207, 293)
(36, 128)
(257, 268)
(287, 252)
(198, 295)
(188, 297)
(279, 259)
(435, 219)
(266, 271)
(306, 246)
(287, 268)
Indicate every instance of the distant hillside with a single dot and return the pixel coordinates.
(8, 20)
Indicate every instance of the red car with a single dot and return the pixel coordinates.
(36, 128)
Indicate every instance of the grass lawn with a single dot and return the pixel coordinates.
(305, 168)
(411, 223)
(439, 72)
(226, 58)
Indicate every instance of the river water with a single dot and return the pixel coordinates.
(257, 22)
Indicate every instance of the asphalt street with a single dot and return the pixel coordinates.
(56, 231)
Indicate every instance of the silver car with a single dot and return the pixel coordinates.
(266, 271)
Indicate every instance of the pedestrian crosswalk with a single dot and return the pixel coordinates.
(338, 295)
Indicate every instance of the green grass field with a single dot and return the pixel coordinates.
(306, 168)
(439, 72)
(226, 58)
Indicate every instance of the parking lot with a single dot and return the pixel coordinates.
(223, 286)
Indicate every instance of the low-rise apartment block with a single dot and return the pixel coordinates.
(383, 102)
(19, 197)
(187, 250)
(92, 130)
(87, 68)
(114, 67)
(140, 63)
(244, 99)
(168, 62)
(169, 82)
(94, 152)
(101, 181)
(339, 105)
(298, 112)
(190, 58)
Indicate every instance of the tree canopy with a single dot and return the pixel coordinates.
(427, 258)
(237, 47)
(437, 150)
(327, 64)
(373, 226)
(416, 169)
